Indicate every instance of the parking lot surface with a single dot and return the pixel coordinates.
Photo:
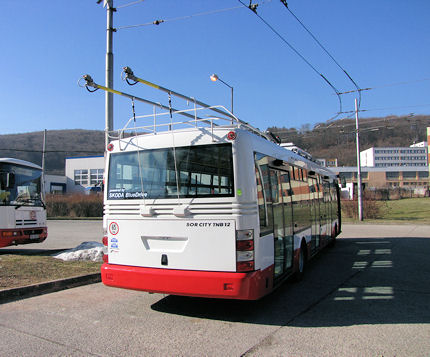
(367, 296)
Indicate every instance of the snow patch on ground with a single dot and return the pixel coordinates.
(85, 251)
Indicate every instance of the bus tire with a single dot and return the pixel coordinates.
(302, 262)
(333, 236)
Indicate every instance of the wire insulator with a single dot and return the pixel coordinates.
(91, 91)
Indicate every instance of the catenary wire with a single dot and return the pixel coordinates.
(389, 85)
(253, 9)
(160, 21)
(130, 4)
(325, 50)
(55, 151)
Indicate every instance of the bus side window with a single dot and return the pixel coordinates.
(264, 194)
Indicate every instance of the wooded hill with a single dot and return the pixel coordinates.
(337, 138)
(326, 140)
(59, 145)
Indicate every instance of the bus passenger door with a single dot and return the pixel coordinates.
(315, 214)
(327, 205)
(284, 181)
(278, 222)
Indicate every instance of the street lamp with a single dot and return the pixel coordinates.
(215, 78)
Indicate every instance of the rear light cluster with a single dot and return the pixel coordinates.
(8, 234)
(245, 250)
(105, 249)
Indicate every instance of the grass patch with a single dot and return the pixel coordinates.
(410, 210)
(407, 210)
(21, 270)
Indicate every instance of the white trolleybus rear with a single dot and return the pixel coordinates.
(22, 211)
(210, 206)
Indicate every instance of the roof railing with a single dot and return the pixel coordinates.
(196, 117)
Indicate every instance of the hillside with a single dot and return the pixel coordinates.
(337, 139)
(333, 140)
(59, 145)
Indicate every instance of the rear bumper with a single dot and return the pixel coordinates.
(244, 286)
(22, 236)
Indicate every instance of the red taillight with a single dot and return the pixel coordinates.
(244, 266)
(245, 245)
(10, 233)
(105, 242)
(245, 250)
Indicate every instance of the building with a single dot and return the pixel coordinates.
(327, 162)
(428, 146)
(84, 173)
(415, 179)
(55, 184)
(413, 156)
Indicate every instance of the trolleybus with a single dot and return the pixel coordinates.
(22, 211)
(208, 205)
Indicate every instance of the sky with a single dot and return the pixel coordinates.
(47, 46)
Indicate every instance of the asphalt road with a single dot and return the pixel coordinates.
(66, 234)
(367, 296)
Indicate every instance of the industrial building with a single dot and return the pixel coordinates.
(415, 155)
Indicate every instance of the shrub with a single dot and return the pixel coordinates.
(372, 209)
(75, 205)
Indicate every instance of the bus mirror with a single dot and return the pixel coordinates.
(10, 180)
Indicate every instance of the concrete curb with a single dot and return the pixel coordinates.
(25, 292)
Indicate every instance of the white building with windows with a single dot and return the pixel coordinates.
(84, 173)
(413, 156)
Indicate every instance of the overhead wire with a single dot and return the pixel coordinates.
(389, 85)
(54, 151)
(253, 9)
(160, 21)
(388, 108)
(364, 123)
(284, 2)
(129, 4)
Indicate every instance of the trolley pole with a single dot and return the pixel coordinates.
(109, 70)
(359, 188)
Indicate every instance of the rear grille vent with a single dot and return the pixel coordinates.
(195, 209)
(33, 231)
(25, 222)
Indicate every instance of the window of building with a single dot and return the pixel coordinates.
(346, 175)
(96, 176)
(81, 177)
(410, 175)
(423, 174)
(392, 175)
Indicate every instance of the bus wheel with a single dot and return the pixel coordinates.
(333, 236)
(302, 263)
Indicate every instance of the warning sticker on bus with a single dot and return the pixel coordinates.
(114, 228)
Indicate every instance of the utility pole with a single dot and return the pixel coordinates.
(43, 164)
(359, 188)
(109, 70)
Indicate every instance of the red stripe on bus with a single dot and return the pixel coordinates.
(244, 286)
